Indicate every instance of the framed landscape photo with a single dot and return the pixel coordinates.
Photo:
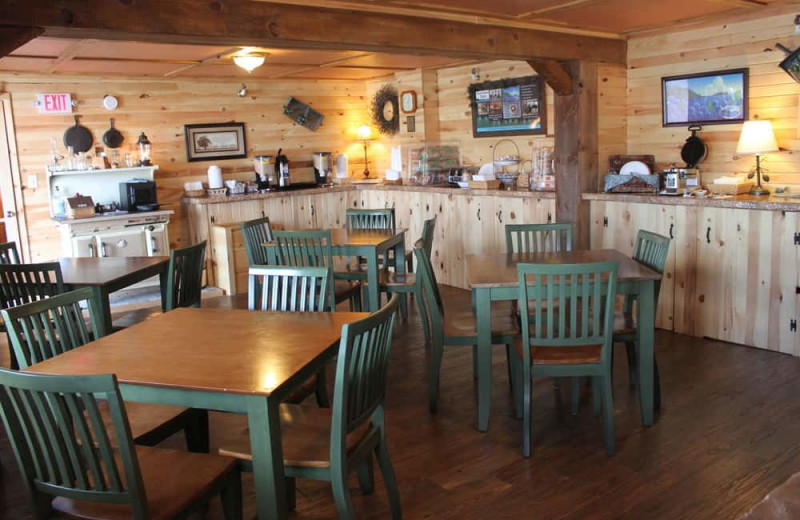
(214, 141)
(709, 98)
(505, 107)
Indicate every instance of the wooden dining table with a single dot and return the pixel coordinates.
(493, 277)
(104, 275)
(237, 361)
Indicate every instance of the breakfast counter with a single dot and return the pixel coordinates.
(734, 201)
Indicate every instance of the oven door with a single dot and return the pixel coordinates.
(127, 242)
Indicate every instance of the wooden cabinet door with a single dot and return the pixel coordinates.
(303, 212)
(330, 209)
(784, 308)
(280, 211)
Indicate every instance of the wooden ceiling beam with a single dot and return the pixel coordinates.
(572, 4)
(247, 22)
(12, 38)
(67, 55)
(200, 63)
(332, 63)
(555, 75)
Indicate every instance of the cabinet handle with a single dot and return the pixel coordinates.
(671, 226)
(153, 245)
(102, 249)
(708, 235)
(479, 213)
(91, 250)
(312, 211)
(549, 217)
(500, 216)
(263, 214)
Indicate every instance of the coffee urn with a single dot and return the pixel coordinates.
(322, 168)
(282, 169)
(264, 166)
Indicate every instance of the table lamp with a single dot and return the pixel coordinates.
(757, 138)
(365, 136)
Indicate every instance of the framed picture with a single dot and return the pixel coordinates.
(508, 107)
(207, 142)
(710, 98)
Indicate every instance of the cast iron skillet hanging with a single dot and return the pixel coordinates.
(113, 138)
(694, 151)
(78, 137)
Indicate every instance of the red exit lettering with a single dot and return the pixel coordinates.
(55, 104)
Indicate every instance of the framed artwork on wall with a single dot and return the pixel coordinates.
(514, 106)
(708, 98)
(215, 141)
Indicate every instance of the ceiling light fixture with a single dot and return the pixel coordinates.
(249, 62)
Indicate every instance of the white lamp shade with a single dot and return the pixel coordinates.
(364, 132)
(249, 61)
(757, 138)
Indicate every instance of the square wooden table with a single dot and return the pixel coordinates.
(237, 361)
(494, 278)
(105, 275)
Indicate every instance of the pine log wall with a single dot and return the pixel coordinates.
(736, 43)
(161, 107)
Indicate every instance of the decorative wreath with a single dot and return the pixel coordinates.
(386, 94)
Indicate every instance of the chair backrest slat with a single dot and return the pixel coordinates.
(571, 304)
(428, 230)
(46, 328)
(62, 445)
(432, 304)
(26, 283)
(307, 249)
(379, 218)
(256, 233)
(285, 288)
(652, 250)
(8, 253)
(185, 278)
(538, 238)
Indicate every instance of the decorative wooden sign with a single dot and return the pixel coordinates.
(303, 114)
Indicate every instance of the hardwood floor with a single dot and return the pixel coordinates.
(727, 434)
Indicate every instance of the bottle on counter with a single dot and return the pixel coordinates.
(282, 169)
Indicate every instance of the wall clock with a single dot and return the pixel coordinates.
(408, 101)
(385, 110)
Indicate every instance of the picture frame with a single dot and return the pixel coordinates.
(215, 141)
(708, 98)
(506, 107)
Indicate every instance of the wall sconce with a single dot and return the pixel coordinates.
(365, 136)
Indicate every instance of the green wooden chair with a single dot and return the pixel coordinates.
(256, 233)
(538, 238)
(71, 468)
(8, 253)
(327, 445)
(452, 322)
(46, 328)
(568, 332)
(651, 250)
(313, 249)
(380, 218)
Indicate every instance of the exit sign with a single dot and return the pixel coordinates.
(54, 103)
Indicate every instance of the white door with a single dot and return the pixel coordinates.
(128, 242)
(157, 241)
(12, 222)
(83, 247)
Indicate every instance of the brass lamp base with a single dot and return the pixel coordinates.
(758, 191)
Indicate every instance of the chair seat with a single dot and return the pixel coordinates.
(306, 434)
(625, 323)
(173, 481)
(581, 355)
(459, 320)
(144, 418)
(343, 290)
(392, 279)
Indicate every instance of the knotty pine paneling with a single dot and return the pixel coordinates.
(738, 43)
(160, 108)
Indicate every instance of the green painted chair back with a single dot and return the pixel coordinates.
(360, 387)
(382, 218)
(26, 283)
(61, 444)
(428, 229)
(185, 277)
(46, 328)
(8, 253)
(256, 233)
(651, 250)
(306, 249)
(283, 288)
(431, 304)
(567, 305)
(538, 238)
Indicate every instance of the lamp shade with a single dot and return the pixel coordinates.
(757, 138)
(249, 61)
(364, 132)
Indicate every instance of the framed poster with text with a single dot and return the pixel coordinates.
(505, 107)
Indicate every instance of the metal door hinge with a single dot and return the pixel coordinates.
(797, 239)
(793, 325)
(605, 221)
(549, 217)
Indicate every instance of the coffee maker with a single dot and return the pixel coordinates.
(264, 166)
(322, 168)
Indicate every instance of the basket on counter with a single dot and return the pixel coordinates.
(216, 192)
(79, 206)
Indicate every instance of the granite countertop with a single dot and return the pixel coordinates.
(770, 203)
(521, 193)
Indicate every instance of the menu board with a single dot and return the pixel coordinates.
(508, 107)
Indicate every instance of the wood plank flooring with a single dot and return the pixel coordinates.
(727, 435)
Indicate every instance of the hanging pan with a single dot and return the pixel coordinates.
(113, 138)
(78, 137)
(694, 150)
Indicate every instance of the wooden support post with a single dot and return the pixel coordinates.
(12, 38)
(576, 148)
(554, 74)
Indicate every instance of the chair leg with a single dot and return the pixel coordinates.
(404, 307)
(437, 350)
(196, 431)
(474, 361)
(231, 497)
(608, 409)
(389, 479)
(321, 391)
(344, 505)
(423, 317)
(509, 369)
(366, 477)
(526, 411)
(596, 396)
(517, 384)
(291, 493)
(576, 394)
(630, 348)
(656, 385)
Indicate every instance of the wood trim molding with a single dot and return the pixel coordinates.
(245, 22)
(12, 38)
(7, 118)
(555, 75)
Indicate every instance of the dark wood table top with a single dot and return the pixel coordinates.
(500, 270)
(218, 350)
(105, 270)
